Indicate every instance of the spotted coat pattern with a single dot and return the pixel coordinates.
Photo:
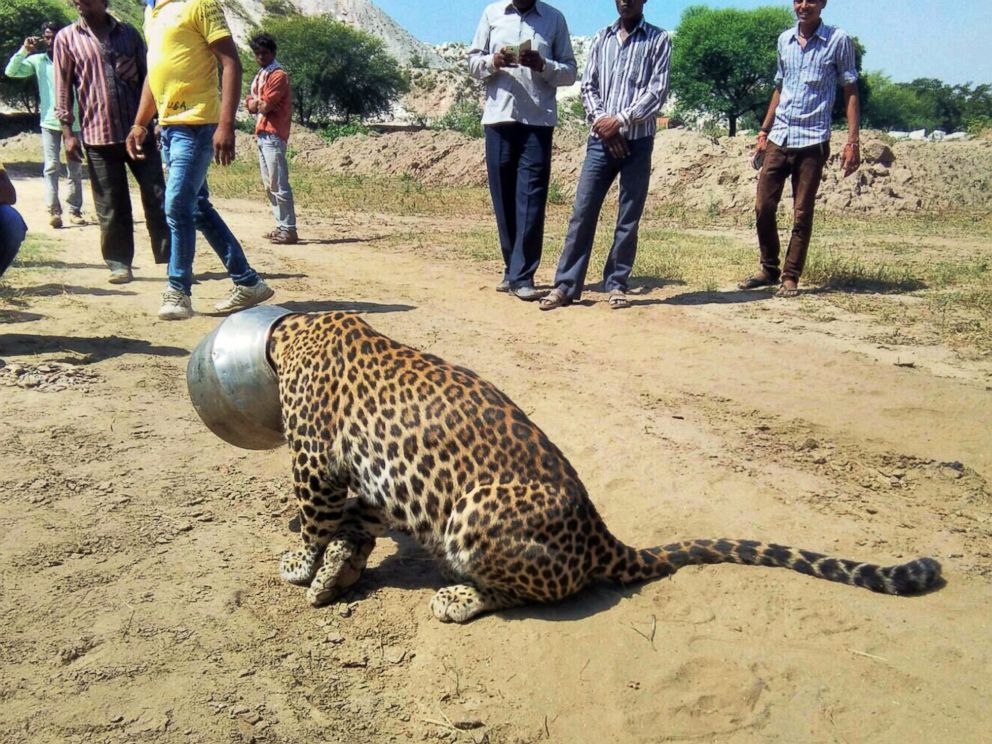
(430, 448)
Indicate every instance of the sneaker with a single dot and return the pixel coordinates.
(285, 236)
(76, 218)
(527, 293)
(56, 221)
(120, 275)
(242, 297)
(503, 286)
(176, 305)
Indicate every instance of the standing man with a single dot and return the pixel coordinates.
(624, 88)
(102, 61)
(187, 40)
(271, 100)
(12, 227)
(34, 59)
(523, 53)
(813, 58)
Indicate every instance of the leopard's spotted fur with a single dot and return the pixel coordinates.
(435, 450)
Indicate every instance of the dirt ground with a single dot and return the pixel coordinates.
(139, 591)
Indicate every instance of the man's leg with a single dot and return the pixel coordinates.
(280, 192)
(187, 164)
(75, 169)
(533, 178)
(502, 155)
(599, 171)
(771, 182)
(50, 145)
(266, 173)
(806, 174)
(151, 184)
(112, 201)
(635, 176)
(12, 231)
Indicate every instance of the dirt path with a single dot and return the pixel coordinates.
(139, 595)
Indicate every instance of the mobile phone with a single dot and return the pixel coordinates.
(757, 159)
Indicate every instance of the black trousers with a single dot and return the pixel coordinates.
(108, 166)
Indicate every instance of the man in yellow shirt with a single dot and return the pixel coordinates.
(12, 227)
(186, 41)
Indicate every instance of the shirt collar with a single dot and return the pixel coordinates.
(511, 8)
(615, 28)
(821, 31)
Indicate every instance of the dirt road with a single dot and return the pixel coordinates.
(139, 590)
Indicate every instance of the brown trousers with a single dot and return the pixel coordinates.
(805, 166)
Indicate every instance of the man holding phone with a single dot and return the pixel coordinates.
(34, 59)
(523, 53)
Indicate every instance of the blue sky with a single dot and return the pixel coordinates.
(907, 39)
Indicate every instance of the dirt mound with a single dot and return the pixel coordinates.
(695, 171)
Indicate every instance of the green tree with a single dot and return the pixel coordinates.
(18, 20)
(724, 60)
(336, 71)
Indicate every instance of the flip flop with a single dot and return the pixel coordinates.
(786, 292)
(753, 282)
(554, 298)
(618, 300)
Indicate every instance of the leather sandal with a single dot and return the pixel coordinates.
(555, 298)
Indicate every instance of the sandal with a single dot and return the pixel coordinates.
(753, 282)
(555, 298)
(618, 299)
(786, 292)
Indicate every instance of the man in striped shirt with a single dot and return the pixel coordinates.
(102, 61)
(624, 88)
(794, 140)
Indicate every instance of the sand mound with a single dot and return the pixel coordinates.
(695, 171)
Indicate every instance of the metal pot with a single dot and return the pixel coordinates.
(232, 383)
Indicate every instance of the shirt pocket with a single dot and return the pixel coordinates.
(817, 75)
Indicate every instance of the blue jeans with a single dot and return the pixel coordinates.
(12, 231)
(518, 160)
(51, 146)
(599, 171)
(187, 152)
(275, 176)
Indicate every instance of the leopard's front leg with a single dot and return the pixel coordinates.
(347, 553)
(321, 499)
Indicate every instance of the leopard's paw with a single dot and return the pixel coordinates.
(343, 566)
(300, 566)
(458, 603)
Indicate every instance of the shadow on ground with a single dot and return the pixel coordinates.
(83, 349)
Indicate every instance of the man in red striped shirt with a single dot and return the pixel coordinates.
(102, 61)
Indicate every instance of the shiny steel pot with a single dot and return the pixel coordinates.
(232, 383)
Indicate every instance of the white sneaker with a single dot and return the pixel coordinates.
(176, 305)
(242, 297)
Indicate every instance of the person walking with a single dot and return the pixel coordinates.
(101, 61)
(522, 52)
(12, 227)
(794, 139)
(271, 100)
(187, 40)
(624, 88)
(34, 59)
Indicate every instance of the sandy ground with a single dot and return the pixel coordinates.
(139, 595)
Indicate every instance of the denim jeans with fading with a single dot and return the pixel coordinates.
(51, 146)
(12, 231)
(599, 171)
(188, 152)
(275, 176)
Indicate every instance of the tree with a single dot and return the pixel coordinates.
(723, 61)
(18, 20)
(336, 71)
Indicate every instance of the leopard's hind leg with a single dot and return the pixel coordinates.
(321, 499)
(347, 553)
(459, 603)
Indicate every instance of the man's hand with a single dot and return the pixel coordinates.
(135, 142)
(850, 159)
(503, 59)
(73, 148)
(617, 147)
(31, 44)
(251, 103)
(607, 127)
(532, 59)
(224, 145)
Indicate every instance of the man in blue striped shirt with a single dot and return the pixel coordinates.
(624, 87)
(794, 140)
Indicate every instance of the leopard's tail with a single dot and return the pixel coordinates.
(631, 565)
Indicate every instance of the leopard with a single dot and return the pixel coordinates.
(385, 437)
